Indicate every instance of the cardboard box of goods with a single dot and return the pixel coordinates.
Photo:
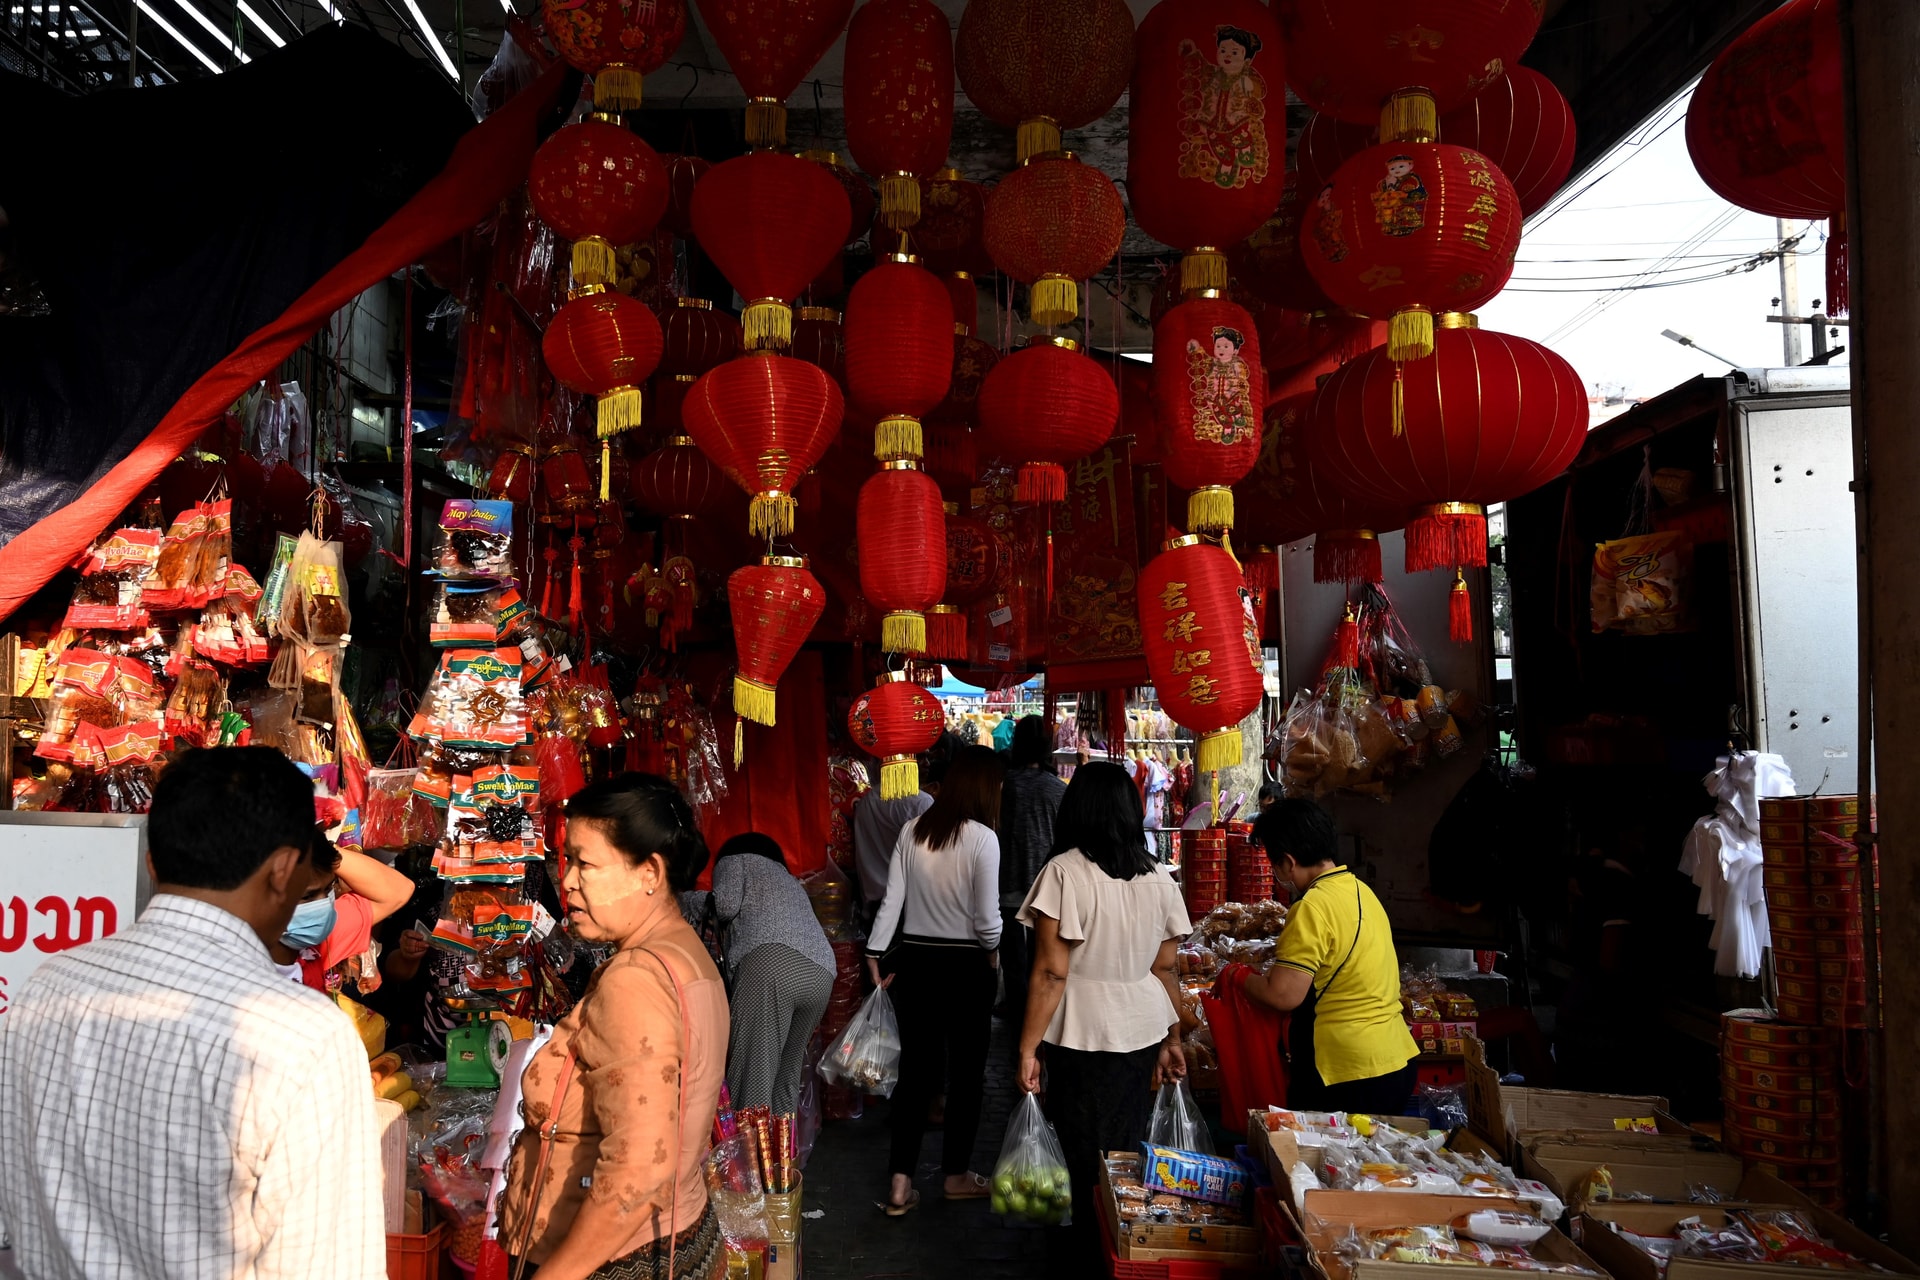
(1660, 1172)
(1146, 1241)
(1281, 1150)
(1507, 1116)
(1363, 1211)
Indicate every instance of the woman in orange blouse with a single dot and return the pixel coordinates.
(626, 1088)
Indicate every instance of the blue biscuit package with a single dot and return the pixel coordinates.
(1192, 1175)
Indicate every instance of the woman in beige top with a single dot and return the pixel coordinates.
(636, 1065)
(1107, 920)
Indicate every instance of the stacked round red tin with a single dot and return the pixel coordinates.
(1203, 870)
(1815, 873)
(1781, 1086)
(1249, 873)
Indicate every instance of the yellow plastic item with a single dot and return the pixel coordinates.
(371, 1026)
(409, 1100)
(394, 1086)
(384, 1065)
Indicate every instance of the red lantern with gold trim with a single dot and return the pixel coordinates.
(1207, 387)
(902, 533)
(601, 186)
(953, 211)
(770, 45)
(1044, 405)
(1202, 645)
(895, 721)
(1050, 224)
(1525, 126)
(771, 223)
(678, 480)
(604, 344)
(899, 351)
(775, 605)
(1041, 68)
(1286, 498)
(1348, 57)
(899, 99)
(696, 338)
(765, 419)
(1207, 150)
(1269, 263)
(860, 201)
(616, 42)
(820, 338)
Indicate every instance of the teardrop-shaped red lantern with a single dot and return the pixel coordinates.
(775, 604)
(616, 42)
(899, 99)
(1041, 68)
(604, 344)
(1409, 229)
(899, 351)
(1050, 224)
(1348, 57)
(771, 223)
(598, 184)
(1044, 405)
(1207, 147)
(677, 480)
(952, 213)
(1207, 387)
(770, 45)
(1202, 645)
(903, 552)
(765, 419)
(895, 721)
(1286, 498)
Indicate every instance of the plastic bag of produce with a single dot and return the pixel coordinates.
(1177, 1121)
(1030, 1180)
(866, 1057)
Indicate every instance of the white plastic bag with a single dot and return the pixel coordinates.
(1177, 1122)
(1031, 1183)
(866, 1057)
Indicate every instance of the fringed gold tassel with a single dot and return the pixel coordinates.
(772, 513)
(1410, 115)
(1203, 268)
(739, 742)
(753, 700)
(1036, 136)
(618, 410)
(899, 778)
(897, 438)
(767, 325)
(1210, 509)
(1399, 399)
(616, 88)
(1410, 334)
(606, 469)
(766, 123)
(899, 200)
(903, 632)
(593, 262)
(1053, 300)
(1218, 751)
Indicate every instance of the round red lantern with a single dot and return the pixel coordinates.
(1269, 262)
(771, 223)
(765, 419)
(1207, 388)
(1050, 224)
(604, 344)
(1409, 229)
(902, 532)
(616, 42)
(898, 71)
(770, 45)
(899, 351)
(683, 173)
(895, 721)
(1348, 57)
(678, 480)
(860, 203)
(1524, 125)
(1286, 498)
(775, 604)
(696, 338)
(1041, 68)
(565, 486)
(512, 475)
(1206, 153)
(819, 338)
(1327, 142)
(1203, 645)
(599, 185)
(952, 213)
(1046, 404)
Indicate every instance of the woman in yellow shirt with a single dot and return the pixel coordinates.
(1335, 972)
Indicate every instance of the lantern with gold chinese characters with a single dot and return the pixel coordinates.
(1203, 645)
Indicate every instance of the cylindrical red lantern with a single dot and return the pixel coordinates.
(899, 351)
(1348, 57)
(1524, 125)
(512, 475)
(1207, 146)
(771, 223)
(895, 721)
(616, 42)
(1041, 68)
(765, 419)
(604, 344)
(952, 212)
(819, 338)
(902, 532)
(1410, 229)
(770, 45)
(1046, 404)
(898, 71)
(1207, 388)
(775, 604)
(696, 338)
(599, 185)
(678, 480)
(1488, 418)
(1286, 498)
(1050, 224)
(1203, 645)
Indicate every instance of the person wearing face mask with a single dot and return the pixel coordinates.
(348, 895)
(606, 1179)
(171, 1107)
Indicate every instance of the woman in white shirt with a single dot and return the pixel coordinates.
(935, 937)
(1107, 920)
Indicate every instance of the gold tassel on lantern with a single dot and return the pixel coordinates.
(1399, 400)
(753, 700)
(594, 262)
(899, 200)
(617, 411)
(767, 325)
(770, 513)
(1410, 334)
(903, 632)
(1036, 136)
(898, 438)
(616, 88)
(766, 123)
(1203, 267)
(899, 777)
(1218, 751)
(1210, 509)
(1053, 299)
(1410, 115)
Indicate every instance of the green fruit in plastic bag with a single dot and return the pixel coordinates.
(1017, 1203)
(1003, 1184)
(1024, 1182)
(999, 1203)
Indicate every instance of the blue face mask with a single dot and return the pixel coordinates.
(311, 923)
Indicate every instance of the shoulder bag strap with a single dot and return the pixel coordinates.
(547, 1133)
(1359, 918)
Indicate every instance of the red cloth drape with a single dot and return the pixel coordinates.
(1247, 1037)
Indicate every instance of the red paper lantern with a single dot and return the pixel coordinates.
(1044, 405)
(1488, 418)
(979, 557)
(605, 345)
(1409, 229)
(565, 486)
(1041, 68)
(1203, 645)
(902, 532)
(677, 480)
(1206, 153)
(599, 185)
(775, 604)
(952, 455)
(683, 174)
(1348, 57)
(1286, 498)
(860, 202)
(895, 721)
(771, 223)
(820, 339)
(973, 360)
(770, 45)
(1327, 142)
(512, 476)
(952, 214)
(765, 419)
(1208, 385)
(696, 338)
(899, 351)
(1269, 261)
(898, 71)
(1523, 124)
(1050, 224)
(616, 42)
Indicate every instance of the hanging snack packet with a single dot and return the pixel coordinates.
(319, 677)
(476, 540)
(316, 607)
(474, 700)
(124, 781)
(83, 687)
(179, 553)
(193, 709)
(464, 614)
(508, 800)
(273, 592)
(110, 594)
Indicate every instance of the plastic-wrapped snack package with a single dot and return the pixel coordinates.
(109, 596)
(394, 816)
(273, 590)
(1731, 1243)
(476, 541)
(179, 555)
(474, 701)
(316, 607)
(213, 554)
(464, 614)
(123, 781)
(867, 1054)
(83, 694)
(1500, 1227)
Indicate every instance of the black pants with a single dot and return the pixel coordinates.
(1387, 1095)
(1098, 1102)
(943, 997)
(1016, 954)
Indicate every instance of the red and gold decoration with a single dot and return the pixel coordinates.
(1286, 498)
(1041, 68)
(900, 351)
(599, 185)
(952, 214)
(819, 338)
(697, 338)
(860, 202)
(1208, 384)
(1524, 125)
(678, 482)
(1050, 224)
(1044, 405)
(604, 344)
(979, 562)
(894, 722)
(1202, 644)
(765, 419)
(1269, 262)
(771, 223)
(616, 42)
(1207, 135)
(775, 605)
(899, 99)
(902, 534)
(770, 45)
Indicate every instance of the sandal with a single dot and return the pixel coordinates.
(893, 1210)
(978, 1188)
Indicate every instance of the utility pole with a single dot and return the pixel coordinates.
(1789, 294)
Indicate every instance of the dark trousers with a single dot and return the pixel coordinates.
(943, 998)
(1098, 1102)
(1387, 1095)
(1016, 953)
